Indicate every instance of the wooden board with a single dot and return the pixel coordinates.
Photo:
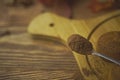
(63, 28)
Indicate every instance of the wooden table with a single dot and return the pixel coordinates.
(24, 58)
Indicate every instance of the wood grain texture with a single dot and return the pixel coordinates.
(91, 67)
(23, 57)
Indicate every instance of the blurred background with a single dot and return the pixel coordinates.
(21, 12)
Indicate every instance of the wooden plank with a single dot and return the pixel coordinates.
(22, 57)
(64, 28)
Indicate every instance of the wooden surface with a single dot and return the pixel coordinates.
(23, 57)
(92, 67)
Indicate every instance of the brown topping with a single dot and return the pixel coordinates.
(109, 44)
(79, 44)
